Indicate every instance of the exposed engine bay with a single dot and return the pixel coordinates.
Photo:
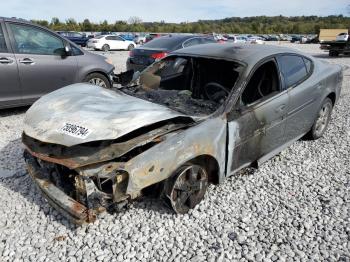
(190, 85)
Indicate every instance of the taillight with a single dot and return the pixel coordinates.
(159, 55)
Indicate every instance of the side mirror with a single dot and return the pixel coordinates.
(67, 51)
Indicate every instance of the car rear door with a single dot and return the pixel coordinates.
(41, 65)
(10, 92)
(303, 93)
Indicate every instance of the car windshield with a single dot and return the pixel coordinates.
(100, 36)
(190, 85)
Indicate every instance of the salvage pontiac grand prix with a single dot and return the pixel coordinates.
(190, 119)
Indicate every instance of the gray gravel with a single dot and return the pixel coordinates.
(296, 207)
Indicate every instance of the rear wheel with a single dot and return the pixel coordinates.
(105, 48)
(320, 125)
(98, 80)
(187, 187)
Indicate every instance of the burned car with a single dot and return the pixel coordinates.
(193, 118)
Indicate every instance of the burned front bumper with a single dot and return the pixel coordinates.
(66, 205)
(80, 200)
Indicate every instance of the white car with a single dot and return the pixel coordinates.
(140, 39)
(342, 37)
(255, 40)
(237, 39)
(110, 42)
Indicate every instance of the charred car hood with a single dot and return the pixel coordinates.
(83, 113)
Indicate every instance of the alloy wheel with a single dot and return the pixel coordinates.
(323, 118)
(188, 188)
(98, 82)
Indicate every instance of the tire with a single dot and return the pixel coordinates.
(131, 47)
(186, 188)
(333, 53)
(98, 79)
(105, 48)
(321, 122)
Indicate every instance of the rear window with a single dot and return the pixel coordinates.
(165, 42)
(293, 69)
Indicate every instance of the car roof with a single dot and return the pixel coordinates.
(247, 53)
(15, 19)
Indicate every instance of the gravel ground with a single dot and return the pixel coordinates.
(295, 207)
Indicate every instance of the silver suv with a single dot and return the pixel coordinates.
(35, 61)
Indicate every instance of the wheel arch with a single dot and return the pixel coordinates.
(98, 72)
(332, 96)
(211, 165)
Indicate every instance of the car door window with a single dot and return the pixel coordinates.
(293, 69)
(3, 47)
(308, 65)
(263, 83)
(32, 40)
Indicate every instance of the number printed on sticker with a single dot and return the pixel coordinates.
(75, 130)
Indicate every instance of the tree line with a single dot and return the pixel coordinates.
(252, 25)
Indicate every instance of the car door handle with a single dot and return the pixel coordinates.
(5, 60)
(26, 61)
(280, 108)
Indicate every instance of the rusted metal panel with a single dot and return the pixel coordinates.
(66, 205)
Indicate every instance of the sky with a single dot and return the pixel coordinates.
(167, 10)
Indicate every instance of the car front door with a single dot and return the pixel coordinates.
(10, 92)
(42, 65)
(257, 123)
(303, 94)
(120, 42)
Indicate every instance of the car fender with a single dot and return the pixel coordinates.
(162, 160)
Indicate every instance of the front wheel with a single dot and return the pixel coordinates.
(187, 187)
(98, 80)
(320, 125)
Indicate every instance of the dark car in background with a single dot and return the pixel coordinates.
(35, 61)
(75, 37)
(141, 57)
(152, 36)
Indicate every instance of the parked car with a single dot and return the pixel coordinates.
(143, 56)
(342, 37)
(255, 40)
(35, 61)
(152, 36)
(236, 39)
(110, 42)
(140, 39)
(75, 37)
(128, 37)
(193, 118)
(295, 39)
